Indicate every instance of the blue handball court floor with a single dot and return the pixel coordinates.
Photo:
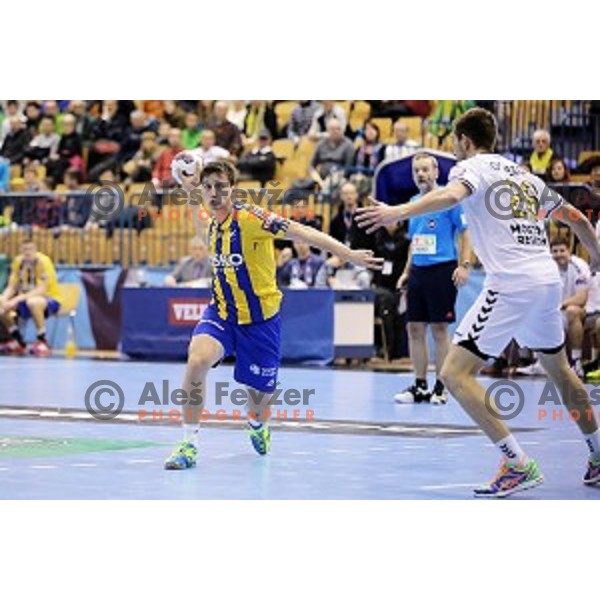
(358, 444)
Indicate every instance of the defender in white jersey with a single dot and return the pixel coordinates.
(506, 207)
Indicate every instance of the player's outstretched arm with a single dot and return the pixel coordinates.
(378, 214)
(318, 239)
(582, 228)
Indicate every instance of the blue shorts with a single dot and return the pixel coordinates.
(53, 306)
(257, 347)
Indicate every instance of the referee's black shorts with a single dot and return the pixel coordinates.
(431, 294)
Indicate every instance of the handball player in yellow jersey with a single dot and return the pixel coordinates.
(243, 317)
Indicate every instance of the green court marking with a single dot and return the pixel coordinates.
(37, 447)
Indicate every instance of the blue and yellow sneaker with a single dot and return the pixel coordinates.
(592, 475)
(183, 457)
(511, 479)
(260, 438)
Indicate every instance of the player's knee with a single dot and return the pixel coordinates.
(199, 361)
(573, 313)
(416, 330)
(34, 301)
(439, 331)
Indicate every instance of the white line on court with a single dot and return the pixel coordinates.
(42, 467)
(139, 461)
(83, 465)
(449, 486)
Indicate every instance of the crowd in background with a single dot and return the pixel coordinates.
(50, 145)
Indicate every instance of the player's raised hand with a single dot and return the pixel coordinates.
(376, 214)
(365, 258)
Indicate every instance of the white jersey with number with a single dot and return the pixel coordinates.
(506, 213)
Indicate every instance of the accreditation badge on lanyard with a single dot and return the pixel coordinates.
(424, 243)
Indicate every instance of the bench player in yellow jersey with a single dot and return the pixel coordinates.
(243, 316)
(32, 292)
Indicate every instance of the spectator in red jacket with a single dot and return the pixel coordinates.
(161, 174)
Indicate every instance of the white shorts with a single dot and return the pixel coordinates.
(530, 316)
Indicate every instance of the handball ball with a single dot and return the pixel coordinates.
(184, 162)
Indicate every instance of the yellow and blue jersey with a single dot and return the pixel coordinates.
(243, 259)
(26, 276)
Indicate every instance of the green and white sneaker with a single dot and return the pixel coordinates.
(183, 457)
(260, 438)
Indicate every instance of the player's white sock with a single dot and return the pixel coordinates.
(576, 355)
(593, 442)
(511, 450)
(594, 353)
(254, 424)
(190, 433)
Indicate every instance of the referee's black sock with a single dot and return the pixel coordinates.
(438, 388)
(421, 383)
(42, 337)
(16, 335)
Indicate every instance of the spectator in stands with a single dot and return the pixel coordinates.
(68, 154)
(51, 109)
(343, 227)
(259, 116)
(390, 243)
(84, 122)
(370, 153)
(32, 182)
(403, 146)
(302, 214)
(173, 114)
(438, 263)
(327, 112)
(558, 171)
(299, 272)
(335, 151)
(33, 114)
(138, 125)
(32, 292)
(139, 168)
(209, 151)
(237, 113)
(227, 134)
(44, 144)
(107, 135)
(161, 175)
(301, 120)
(542, 153)
(163, 133)
(261, 162)
(575, 275)
(12, 110)
(45, 210)
(75, 206)
(16, 142)
(190, 136)
(191, 268)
